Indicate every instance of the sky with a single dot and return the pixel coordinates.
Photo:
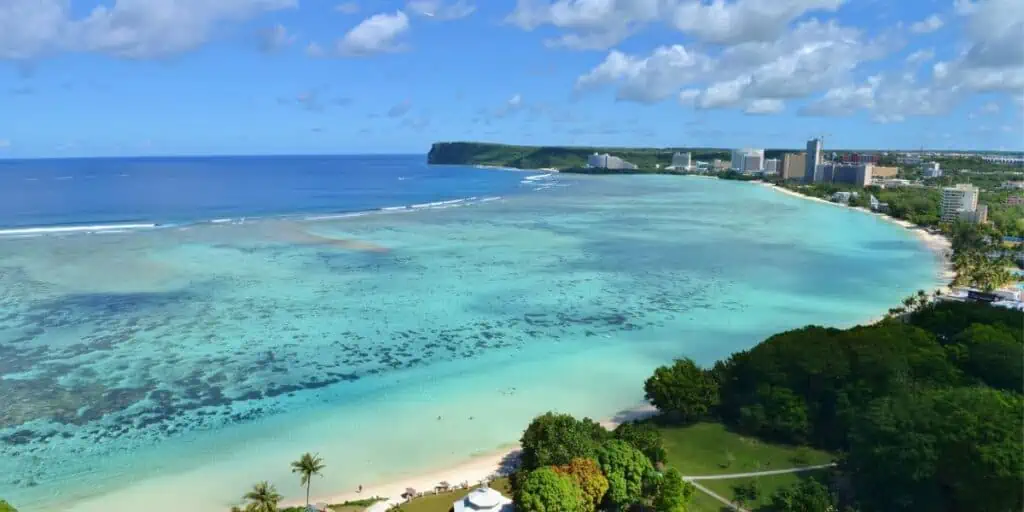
(233, 77)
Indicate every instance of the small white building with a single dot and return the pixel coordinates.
(682, 162)
(931, 170)
(607, 161)
(483, 499)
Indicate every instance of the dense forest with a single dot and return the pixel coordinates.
(925, 412)
(557, 157)
(926, 409)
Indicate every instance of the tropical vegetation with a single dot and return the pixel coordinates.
(306, 466)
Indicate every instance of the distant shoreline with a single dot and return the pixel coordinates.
(937, 243)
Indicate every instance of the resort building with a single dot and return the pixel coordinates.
(931, 170)
(719, 164)
(1006, 160)
(483, 499)
(959, 202)
(747, 160)
(1012, 185)
(813, 158)
(794, 166)
(607, 161)
(771, 166)
(908, 159)
(851, 174)
(1015, 200)
(681, 162)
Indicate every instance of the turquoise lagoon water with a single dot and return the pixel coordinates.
(171, 369)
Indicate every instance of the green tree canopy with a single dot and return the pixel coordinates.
(643, 437)
(806, 496)
(673, 494)
(262, 498)
(943, 450)
(628, 471)
(587, 476)
(991, 355)
(306, 466)
(807, 385)
(545, 490)
(556, 439)
(682, 391)
(7, 507)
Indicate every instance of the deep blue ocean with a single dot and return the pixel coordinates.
(69, 192)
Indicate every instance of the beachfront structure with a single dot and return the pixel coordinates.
(771, 166)
(607, 161)
(851, 174)
(747, 160)
(483, 499)
(959, 202)
(682, 161)
(813, 159)
(931, 170)
(794, 166)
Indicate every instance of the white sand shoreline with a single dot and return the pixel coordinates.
(474, 470)
(937, 243)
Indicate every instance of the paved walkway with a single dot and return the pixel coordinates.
(693, 480)
(761, 473)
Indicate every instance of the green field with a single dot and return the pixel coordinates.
(443, 502)
(711, 449)
(767, 486)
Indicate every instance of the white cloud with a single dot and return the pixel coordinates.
(128, 28)
(5, 143)
(765, 106)
(648, 79)
(315, 50)
(377, 34)
(743, 20)
(513, 105)
(920, 57)
(347, 7)
(927, 25)
(688, 96)
(439, 10)
(811, 58)
(600, 24)
(990, 108)
(994, 60)
(275, 38)
(843, 101)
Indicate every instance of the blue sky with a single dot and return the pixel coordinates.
(172, 77)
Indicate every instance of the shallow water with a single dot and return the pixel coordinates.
(173, 368)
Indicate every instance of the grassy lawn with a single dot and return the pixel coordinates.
(348, 506)
(443, 502)
(767, 484)
(701, 502)
(710, 449)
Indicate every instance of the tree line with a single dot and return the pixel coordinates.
(926, 412)
(574, 465)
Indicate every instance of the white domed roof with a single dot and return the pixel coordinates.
(485, 497)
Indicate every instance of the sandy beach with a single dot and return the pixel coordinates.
(475, 470)
(936, 242)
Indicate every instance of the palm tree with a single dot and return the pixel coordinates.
(307, 466)
(262, 498)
